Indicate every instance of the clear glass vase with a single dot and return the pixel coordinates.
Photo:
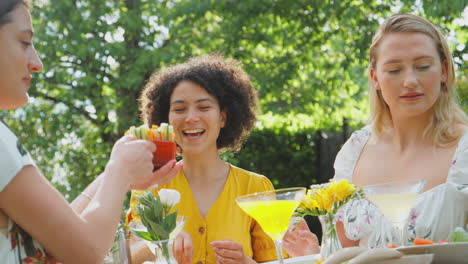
(163, 251)
(330, 242)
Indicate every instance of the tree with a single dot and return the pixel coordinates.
(306, 57)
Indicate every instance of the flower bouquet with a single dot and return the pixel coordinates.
(162, 225)
(324, 200)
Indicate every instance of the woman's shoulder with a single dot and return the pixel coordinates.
(249, 178)
(13, 156)
(462, 145)
(463, 142)
(242, 171)
(458, 172)
(348, 155)
(6, 135)
(357, 140)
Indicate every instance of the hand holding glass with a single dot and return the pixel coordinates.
(165, 152)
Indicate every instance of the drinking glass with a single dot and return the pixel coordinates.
(395, 200)
(118, 254)
(165, 152)
(273, 211)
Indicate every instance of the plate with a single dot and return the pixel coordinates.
(453, 253)
(309, 259)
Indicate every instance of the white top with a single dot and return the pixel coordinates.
(435, 214)
(16, 246)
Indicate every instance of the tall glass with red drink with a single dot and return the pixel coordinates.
(165, 152)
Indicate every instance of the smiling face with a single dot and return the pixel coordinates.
(408, 73)
(18, 59)
(196, 118)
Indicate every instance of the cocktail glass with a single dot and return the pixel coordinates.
(395, 200)
(165, 152)
(273, 211)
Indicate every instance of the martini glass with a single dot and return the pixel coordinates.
(395, 200)
(273, 211)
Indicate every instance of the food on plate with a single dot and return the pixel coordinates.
(422, 241)
(459, 235)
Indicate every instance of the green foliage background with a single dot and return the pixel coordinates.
(307, 59)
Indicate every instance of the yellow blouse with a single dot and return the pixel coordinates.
(224, 220)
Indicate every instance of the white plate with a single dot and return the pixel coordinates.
(310, 259)
(453, 253)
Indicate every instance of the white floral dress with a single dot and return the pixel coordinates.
(435, 214)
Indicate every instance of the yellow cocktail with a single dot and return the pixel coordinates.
(273, 216)
(273, 210)
(395, 200)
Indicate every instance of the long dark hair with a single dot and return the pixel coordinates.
(6, 6)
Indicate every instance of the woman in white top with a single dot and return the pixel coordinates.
(36, 222)
(417, 131)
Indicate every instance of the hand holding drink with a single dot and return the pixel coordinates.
(162, 136)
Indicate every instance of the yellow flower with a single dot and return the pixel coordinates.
(308, 202)
(342, 190)
(319, 199)
(325, 199)
(328, 197)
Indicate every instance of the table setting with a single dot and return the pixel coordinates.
(273, 210)
(395, 200)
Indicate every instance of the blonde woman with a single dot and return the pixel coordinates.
(417, 131)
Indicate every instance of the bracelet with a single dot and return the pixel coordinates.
(87, 195)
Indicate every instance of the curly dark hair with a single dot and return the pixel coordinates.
(222, 78)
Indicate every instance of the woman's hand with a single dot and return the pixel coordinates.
(300, 241)
(183, 248)
(229, 252)
(161, 176)
(133, 160)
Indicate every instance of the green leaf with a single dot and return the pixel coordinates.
(143, 234)
(159, 231)
(170, 222)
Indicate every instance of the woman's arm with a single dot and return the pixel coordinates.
(82, 200)
(300, 241)
(84, 237)
(228, 251)
(345, 241)
(41, 210)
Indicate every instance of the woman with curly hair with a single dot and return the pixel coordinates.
(211, 103)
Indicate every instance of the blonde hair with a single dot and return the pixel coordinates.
(441, 129)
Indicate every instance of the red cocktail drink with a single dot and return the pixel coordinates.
(165, 152)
